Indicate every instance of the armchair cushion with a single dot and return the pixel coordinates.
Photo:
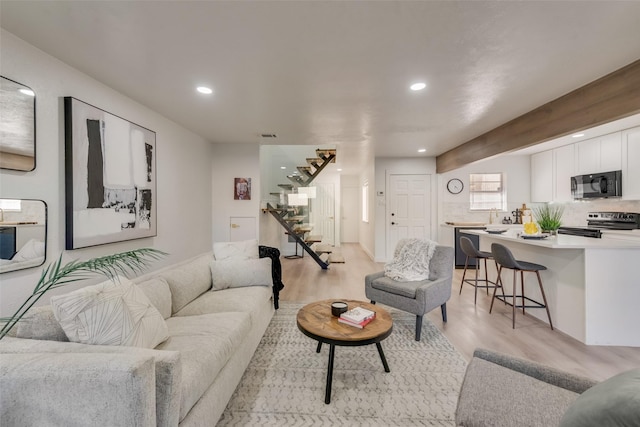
(614, 402)
(494, 395)
(405, 289)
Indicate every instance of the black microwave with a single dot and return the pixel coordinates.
(603, 184)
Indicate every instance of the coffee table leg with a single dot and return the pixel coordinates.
(384, 360)
(327, 395)
(319, 347)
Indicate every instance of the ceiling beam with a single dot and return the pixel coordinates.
(612, 97)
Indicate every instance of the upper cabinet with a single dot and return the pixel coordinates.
(631, 164)
(551, 173)
(542, 176)
(563, 168)
(551, 170)
(601, 154)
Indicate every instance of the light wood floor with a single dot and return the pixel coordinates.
(468, 326)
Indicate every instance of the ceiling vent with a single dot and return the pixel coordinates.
(268, 135)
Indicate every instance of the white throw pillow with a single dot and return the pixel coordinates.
(30, 250)
(233, 273)
(111, 313)
(246, 249)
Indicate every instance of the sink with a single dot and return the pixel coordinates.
(467, 224)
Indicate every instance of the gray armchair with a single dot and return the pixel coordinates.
(418, 297)
(502, 390)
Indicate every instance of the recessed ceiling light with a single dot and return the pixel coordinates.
(422, 150)
(577, 135)
(283, 167)
(339, 170)
(418, 86)
(27, 92)
(205, 90)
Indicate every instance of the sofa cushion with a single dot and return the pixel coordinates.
(488, 388)
(233, 273)
(246, 249)
(614, 402)
(188, 281)
(112, 313)
(168, 368)
(247, 300)
(158, 292)
(40, 324)
(205, 344)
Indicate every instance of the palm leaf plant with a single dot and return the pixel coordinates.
(57, 274)
(549, 217)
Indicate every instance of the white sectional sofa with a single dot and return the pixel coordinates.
(187, 380)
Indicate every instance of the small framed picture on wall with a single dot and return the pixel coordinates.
(242, 188)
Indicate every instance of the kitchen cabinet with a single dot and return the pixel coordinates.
(542, 176)
(551, 173)
(631, 164)
(563, 170)
(601, 154)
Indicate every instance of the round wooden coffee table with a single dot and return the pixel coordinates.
(315, 321)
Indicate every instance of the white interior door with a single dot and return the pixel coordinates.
(322, 214)
(408, 213)
(350, 204)
(242, 228)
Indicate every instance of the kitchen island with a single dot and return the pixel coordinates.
(592, 291)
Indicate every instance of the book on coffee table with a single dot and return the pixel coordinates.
(361, 324)
(357, 316)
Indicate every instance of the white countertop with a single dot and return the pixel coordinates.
(562, 241)
(479, 224)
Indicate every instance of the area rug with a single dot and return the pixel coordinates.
(284, 384)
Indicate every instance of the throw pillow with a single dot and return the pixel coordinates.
(233, 273)
(30, 250)
(614, 402)
(112, 313)
(246, 249)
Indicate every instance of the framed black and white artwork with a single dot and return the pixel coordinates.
(110, 177)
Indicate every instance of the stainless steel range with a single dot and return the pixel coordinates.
(597, 221)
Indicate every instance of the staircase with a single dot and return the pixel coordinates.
(289, 217)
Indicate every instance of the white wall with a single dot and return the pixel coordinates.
(367, 230)
(455, 207)
(384, 167)
(183, 165)
(234, 161)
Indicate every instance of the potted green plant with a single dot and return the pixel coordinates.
(58, 274)
(549, 217)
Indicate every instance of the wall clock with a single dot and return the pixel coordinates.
(455, 186)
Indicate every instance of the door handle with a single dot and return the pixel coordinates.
(235, 226)
(393, 223)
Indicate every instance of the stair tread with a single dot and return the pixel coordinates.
(323, 249)
(313, 239)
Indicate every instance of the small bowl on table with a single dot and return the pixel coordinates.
(338, 307)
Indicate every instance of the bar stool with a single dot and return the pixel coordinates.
(505, 259)
(471, 252)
